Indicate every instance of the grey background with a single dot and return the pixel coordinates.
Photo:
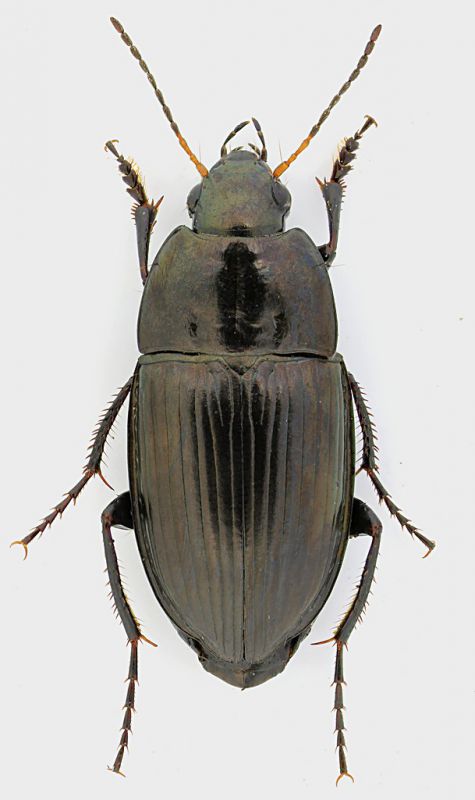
(403, 281)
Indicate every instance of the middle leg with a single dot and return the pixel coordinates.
(92, 467)
(369, 464)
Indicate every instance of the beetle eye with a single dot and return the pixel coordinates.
(281, 195)
(193, 198)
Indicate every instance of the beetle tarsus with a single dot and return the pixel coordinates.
(395, 511)
(57, 510)
(347, 153)
(129, 706)
(338, 707)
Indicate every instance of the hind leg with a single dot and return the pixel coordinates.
(364, 522)
(119, 514)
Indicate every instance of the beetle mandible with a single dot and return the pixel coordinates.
(241, 429)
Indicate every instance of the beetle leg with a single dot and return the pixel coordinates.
(119, 514)
(92, 467)
(333, 189)
(363, 522)
(369, 464)
(333, 195)
(144, 211)
(338, 682)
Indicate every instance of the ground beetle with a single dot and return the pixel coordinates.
(241, 441)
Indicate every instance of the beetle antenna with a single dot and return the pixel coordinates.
(361, 63)
(224, 149)
(261, 137)
(128, 41)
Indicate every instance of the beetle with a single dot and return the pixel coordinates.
(241, 429)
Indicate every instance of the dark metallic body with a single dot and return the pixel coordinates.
(259, 295)
(241, 433)
(241, 452)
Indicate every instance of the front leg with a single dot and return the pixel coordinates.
(333, 189)
(144, 211)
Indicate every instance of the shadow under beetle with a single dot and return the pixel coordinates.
(241, 431)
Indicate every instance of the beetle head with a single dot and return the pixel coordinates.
(239, 196)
